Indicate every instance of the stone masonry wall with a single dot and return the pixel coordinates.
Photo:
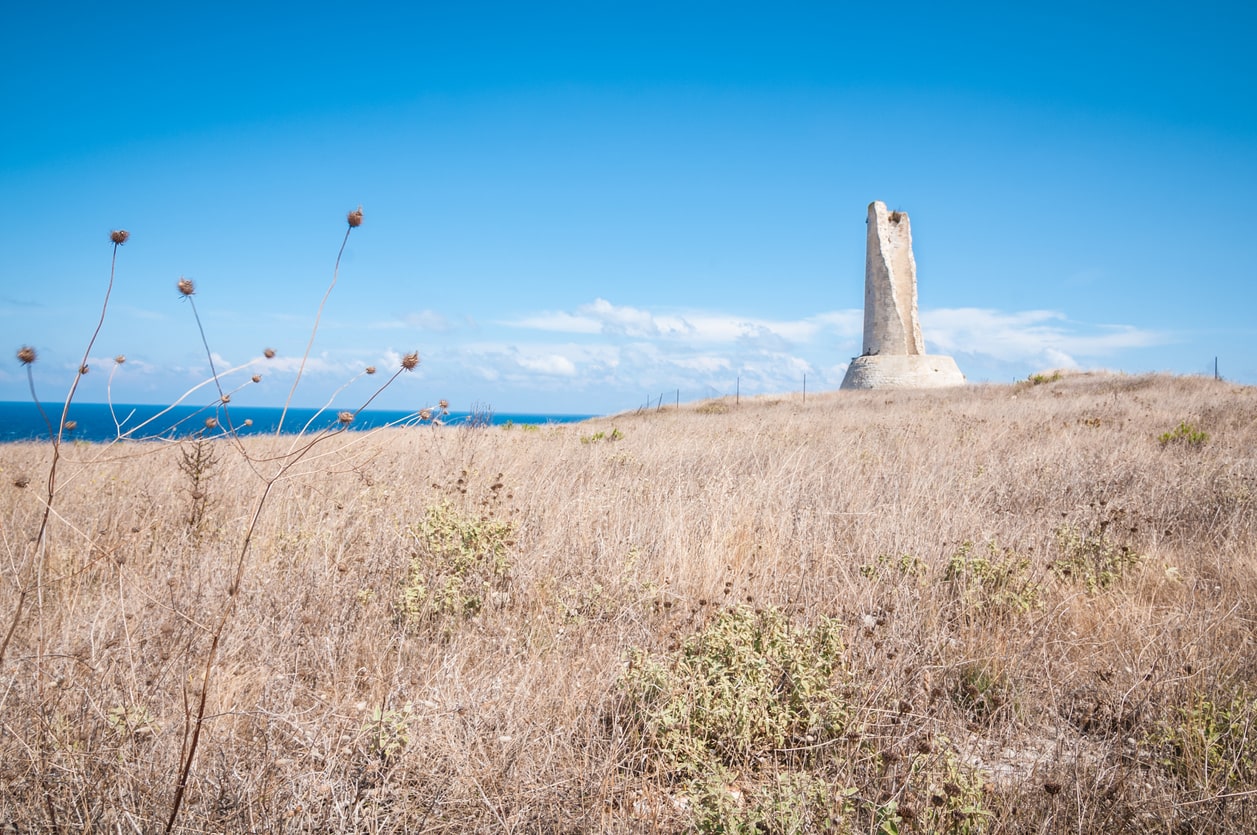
(890, 286)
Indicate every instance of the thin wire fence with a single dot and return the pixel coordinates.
(673, 398)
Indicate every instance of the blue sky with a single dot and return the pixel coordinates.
(572, 207)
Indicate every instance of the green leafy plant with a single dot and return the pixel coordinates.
(459, 564)
(1040, 379)
(998, 582)
(792, 803)
(131, 721)
(1209, 743)
(387, 732)
(1092, 558)
(752, 687)
(744, 688)
(613, 435)
(886, 566)
(1185, 434)
(950, 793)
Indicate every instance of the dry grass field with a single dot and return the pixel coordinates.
(1025, 608)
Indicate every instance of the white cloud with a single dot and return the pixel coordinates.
(1044, 337)
(714, 328)
(553, 364)
(427, 320)
(558, 323)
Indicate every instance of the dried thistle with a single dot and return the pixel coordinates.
(70, 425)
(355, 217)
(119, 236)
(248, 421)
(370, 369)
(345, 418)
(425, 414)
(269, 353)
(410, 361)
(186, 287)
(444, 404)
(120, 359)
(84, 368)
(257, 378)
(211, 423)
(26, 355)
(226, 398)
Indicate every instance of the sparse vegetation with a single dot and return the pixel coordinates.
(961, 612)
(1041, 379)
(1185, 434)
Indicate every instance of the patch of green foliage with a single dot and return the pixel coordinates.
(749, 685)
(1208, 743)
(754, 718)
(1185, 434)
(1092, 558)
(1040, 379)
(613, 435)
(886, 566)
(386, 732)
(458, 564)
(997, 582)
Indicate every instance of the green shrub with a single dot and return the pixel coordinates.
(1208, 744)
(746, 687)
(613, 435)
(894, 568)
(752, 690)
(1185, 434)
(1092, 558)
(1040, 379)
(459, 563)
(995, 583)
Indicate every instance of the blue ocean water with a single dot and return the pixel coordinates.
(97, 423)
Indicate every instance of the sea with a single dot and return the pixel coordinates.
(102, 422)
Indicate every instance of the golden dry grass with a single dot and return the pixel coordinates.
(1073, 705)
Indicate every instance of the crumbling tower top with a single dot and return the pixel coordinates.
(890, 285)
(894, 351)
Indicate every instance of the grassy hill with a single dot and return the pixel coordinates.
(1020, 608)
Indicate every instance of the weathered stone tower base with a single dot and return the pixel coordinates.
(891, 371)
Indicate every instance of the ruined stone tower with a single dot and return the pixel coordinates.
(894, 352)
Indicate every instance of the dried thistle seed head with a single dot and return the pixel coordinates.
(70, 425)
(211, 423)
(269, 353)
(186, 287)
(84, 368)
(248, 421)
(444, 404)
(120, 359)
(226, 398)
(425, 414)
(26, 355)
(355, 217)
(410, 361)
(370, 369)
(119, 236)
(345, 418)
(257, 378)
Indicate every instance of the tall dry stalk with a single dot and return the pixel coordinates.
(26, 355)
(302, 446)
(354, 219)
